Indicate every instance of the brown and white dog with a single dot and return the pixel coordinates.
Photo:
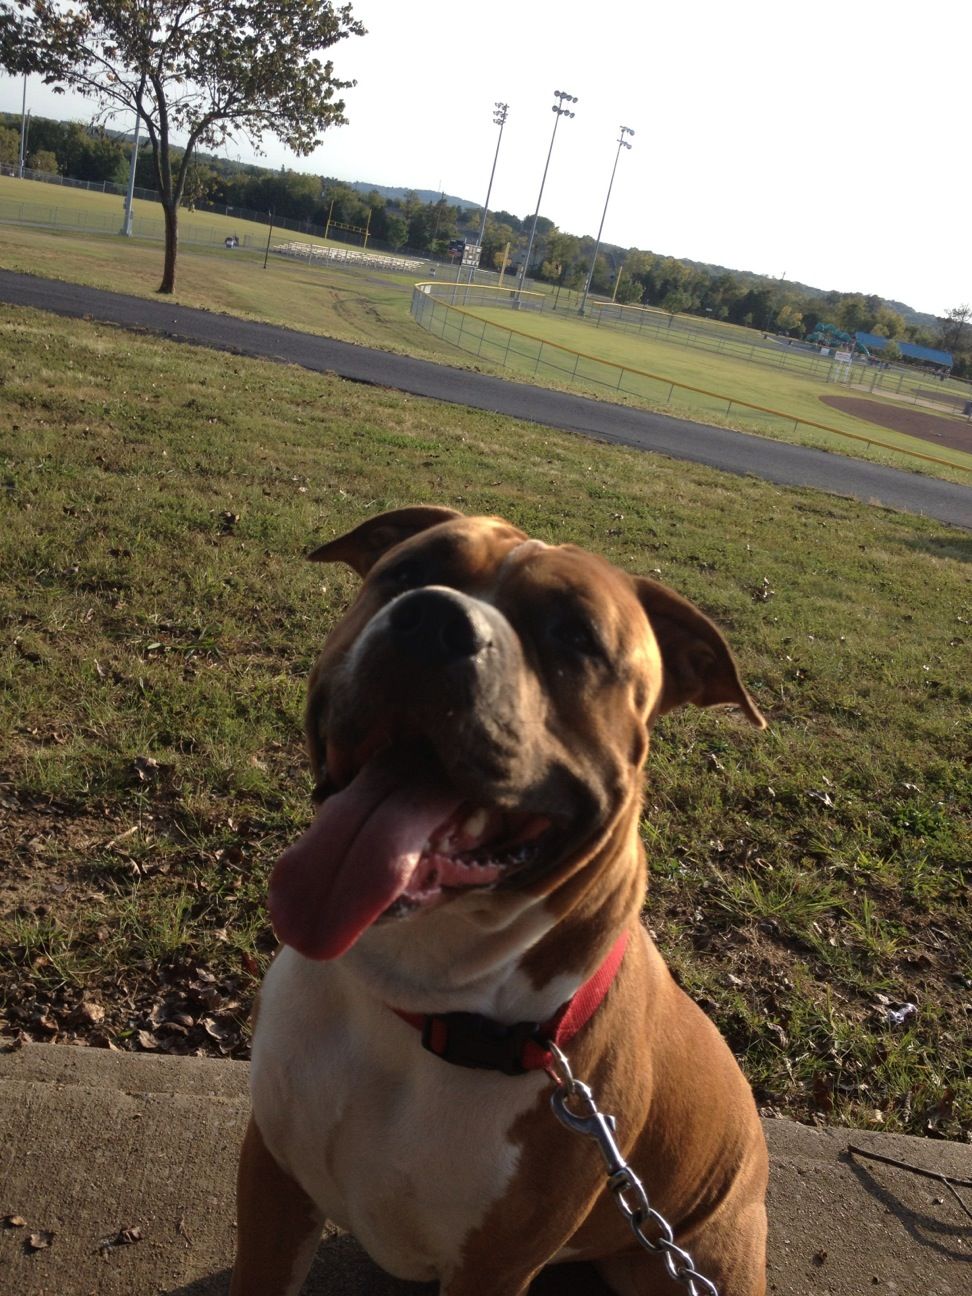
(478, 723)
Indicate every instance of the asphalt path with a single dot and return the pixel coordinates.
(734, 452)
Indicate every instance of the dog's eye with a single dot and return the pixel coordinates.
(406, 575)
(578, 636)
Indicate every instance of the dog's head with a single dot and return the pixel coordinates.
(478, 719)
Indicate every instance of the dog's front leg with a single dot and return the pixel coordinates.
(278, 1226)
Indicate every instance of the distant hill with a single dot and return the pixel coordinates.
(397, 194)
(907, 313)
(910, 315)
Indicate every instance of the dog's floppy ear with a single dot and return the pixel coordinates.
(362, 547)
(697, 664)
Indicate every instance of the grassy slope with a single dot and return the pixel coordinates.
(158, 626)
(337, 303)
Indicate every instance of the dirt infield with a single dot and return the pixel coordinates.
(954, 433)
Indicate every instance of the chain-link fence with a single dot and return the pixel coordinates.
(718, 339)
(445, 310)
(82, 219)
(775, 352)
(63, 216)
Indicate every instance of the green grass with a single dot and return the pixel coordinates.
(33, 201)
(372, 307)
(353, 305)
(745, 342)
(782, 390)
(159, 622)
(336, 303)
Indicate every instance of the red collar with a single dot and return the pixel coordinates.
(469, 1040)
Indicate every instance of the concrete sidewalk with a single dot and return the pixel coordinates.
(94, 1143)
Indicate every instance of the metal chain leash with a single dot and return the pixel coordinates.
(629, 1193)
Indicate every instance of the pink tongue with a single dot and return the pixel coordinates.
(357, 856)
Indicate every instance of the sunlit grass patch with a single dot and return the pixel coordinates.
(159, 622)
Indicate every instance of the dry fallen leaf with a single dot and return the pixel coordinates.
(124, 1237)
(39, 1240)
(88, 1013)
(13, 1221)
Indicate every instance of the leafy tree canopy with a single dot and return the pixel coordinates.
(9, 145)
(208, 71)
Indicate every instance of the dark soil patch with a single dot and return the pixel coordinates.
(954, 433)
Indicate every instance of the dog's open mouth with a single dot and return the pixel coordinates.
(397, 837)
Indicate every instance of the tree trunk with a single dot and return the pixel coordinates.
(171, 246)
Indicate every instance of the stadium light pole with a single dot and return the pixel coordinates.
(500, 112)
(560, 111)
(622, 143)
(23, 133)
(126, 229)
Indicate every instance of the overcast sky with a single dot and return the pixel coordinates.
(826, 143)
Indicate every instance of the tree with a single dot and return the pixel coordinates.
(676, 301)
(42, 160)
(85, 154)
(854, 313)
(953, 325)
(9, 145)
(890, 352)
(345, 204)
(208, 71)
(754, 308)
(198, 186)
(789, 318)
(629, 290)
(495, 239)
(396, 232)
(887, 323)
(562, 258)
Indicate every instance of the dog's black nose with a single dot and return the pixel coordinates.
(441, 625)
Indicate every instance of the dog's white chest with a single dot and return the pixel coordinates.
(404, 1150)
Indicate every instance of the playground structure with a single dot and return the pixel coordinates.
(829, 335)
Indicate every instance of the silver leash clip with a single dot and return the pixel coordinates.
(624, 1183)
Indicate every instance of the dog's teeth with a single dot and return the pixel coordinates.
(475, 825)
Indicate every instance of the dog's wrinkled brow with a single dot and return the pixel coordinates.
(523, 550)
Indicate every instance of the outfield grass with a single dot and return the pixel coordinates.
(159, 624)
(744, 342)
(792, 394)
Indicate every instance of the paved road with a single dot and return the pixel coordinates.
(735, 452)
